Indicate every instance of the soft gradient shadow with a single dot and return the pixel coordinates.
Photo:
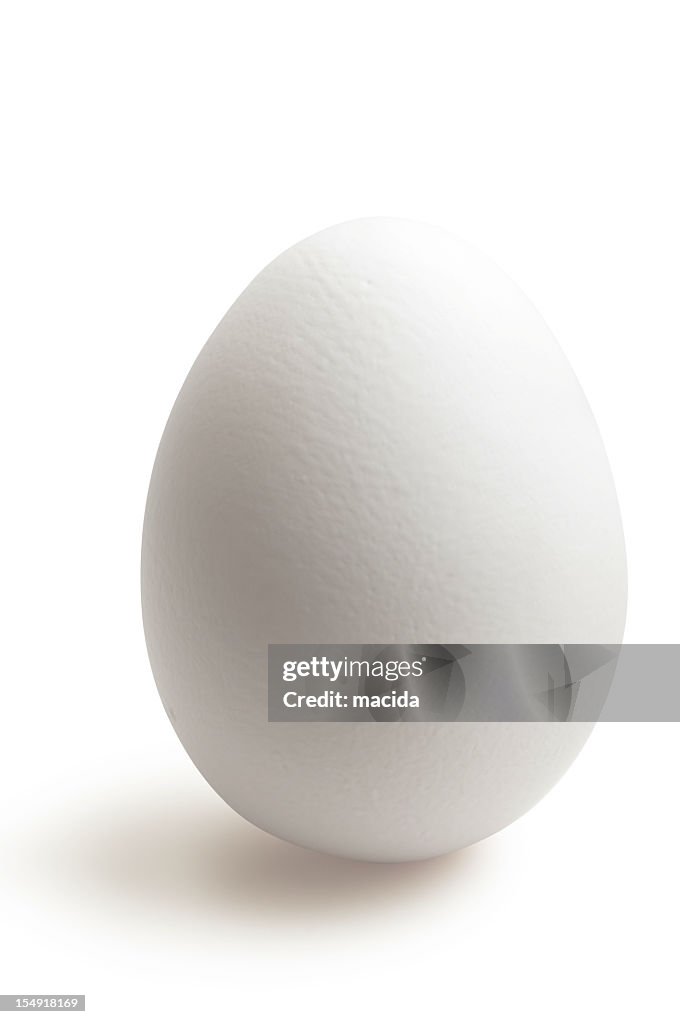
(202, 859)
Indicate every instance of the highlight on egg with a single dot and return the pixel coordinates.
(381, 442)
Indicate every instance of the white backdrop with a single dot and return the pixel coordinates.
(154, 157)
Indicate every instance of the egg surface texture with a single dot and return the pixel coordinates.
(380, 443)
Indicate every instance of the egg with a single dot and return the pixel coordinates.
(381, 442)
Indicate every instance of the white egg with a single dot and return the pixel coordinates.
(380, 443)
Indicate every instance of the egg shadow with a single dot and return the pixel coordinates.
(202, 859)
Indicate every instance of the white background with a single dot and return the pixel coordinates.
(154, 158)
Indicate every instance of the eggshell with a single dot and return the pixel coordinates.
(381, 443)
